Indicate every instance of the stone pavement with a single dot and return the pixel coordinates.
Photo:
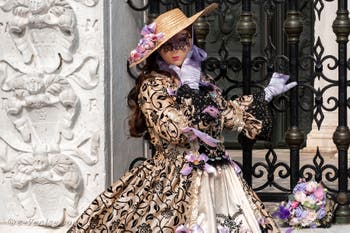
(332, 229)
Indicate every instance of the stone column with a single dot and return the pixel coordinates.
(52, 110)
(125, 27)
(323, 30)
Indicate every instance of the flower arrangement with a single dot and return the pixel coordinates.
(147, 43)
(307, 206)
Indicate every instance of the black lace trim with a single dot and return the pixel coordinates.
(261, 110)
(200, 99)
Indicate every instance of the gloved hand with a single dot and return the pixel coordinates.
(190, 71)
(277, 86)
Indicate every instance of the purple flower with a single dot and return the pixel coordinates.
(196, 162)
(195, 228)
(147, 43)
(300, 212)
(312, 197)
(288, 205)
(154, 37)
(289, 230)
(283, 213)
(300, 187)
(212, 111)
(321, 213)
(186, 169)
(140, 49)
(223, 229)
(182, 229)
(148, 29)
(171, 91)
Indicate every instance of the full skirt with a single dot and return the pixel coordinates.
(156, 197)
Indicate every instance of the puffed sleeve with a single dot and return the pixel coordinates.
(163, 114)
(249, 114)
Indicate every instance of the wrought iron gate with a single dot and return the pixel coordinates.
(263, 49)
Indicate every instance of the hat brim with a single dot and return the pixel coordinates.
(178, 29)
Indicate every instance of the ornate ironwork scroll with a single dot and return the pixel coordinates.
(341, 136)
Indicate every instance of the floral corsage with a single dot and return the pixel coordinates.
(195, 228)
(308, 206)
(196, 162)
(147, 43)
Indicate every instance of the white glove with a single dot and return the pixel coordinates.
(277, 86)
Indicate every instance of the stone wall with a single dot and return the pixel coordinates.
(52, 111)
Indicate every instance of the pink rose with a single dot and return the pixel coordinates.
(154, 37)
(300, 196)
(140, 49)
(148, 45)
(134, 56)
(294, 204)
(319, 194)
(311, 186)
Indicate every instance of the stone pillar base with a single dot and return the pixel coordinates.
(322, 139)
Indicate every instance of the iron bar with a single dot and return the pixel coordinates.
(294, 137)
(341, 136)
(153, 10)
(200, 27)
(246, 28)
(136, 8)
(199, 5)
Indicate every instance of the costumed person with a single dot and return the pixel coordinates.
(190, 184)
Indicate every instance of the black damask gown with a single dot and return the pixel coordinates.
(190, 184)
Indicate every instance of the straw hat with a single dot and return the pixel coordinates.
(164, 27)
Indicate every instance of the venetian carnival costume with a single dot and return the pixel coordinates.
(190, 184)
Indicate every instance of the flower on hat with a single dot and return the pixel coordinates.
(147, 43)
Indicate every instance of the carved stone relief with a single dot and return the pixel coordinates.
(43, 31)
(88, 2)
(51, 109)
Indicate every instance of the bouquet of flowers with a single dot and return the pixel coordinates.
(308, 206)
